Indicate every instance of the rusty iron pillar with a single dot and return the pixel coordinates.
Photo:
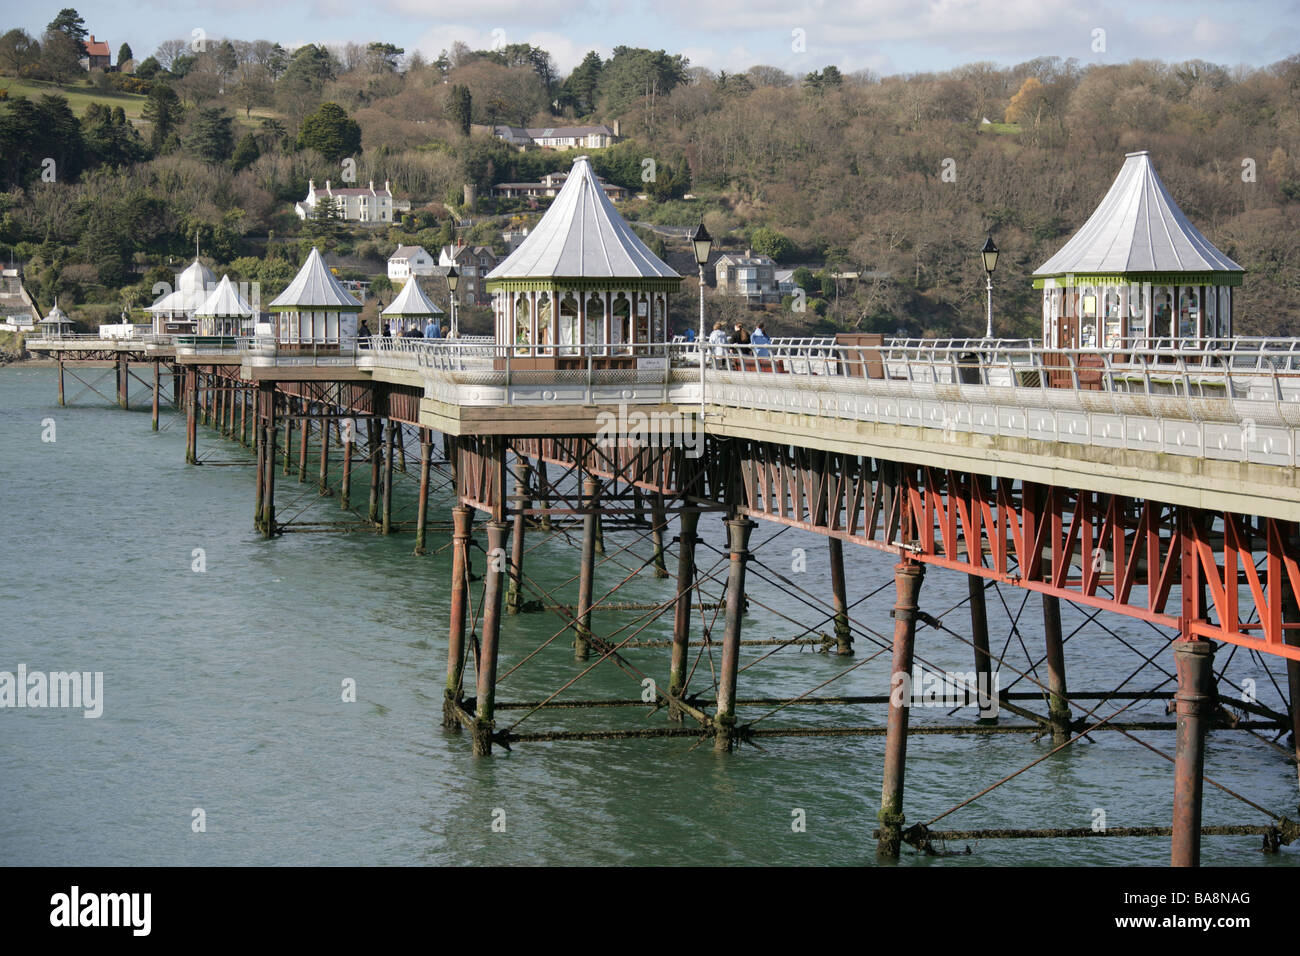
(514, 594)
(373, 429)
(348, 437)
(191, 417)
(660, 521)
(484, 722)
(1058, 705)
(586, 573)
(386, 525)
(268, 492)
(686, 541)
(422, 507)
(1194, 700)
(724, 719)
(907, 581)
(61, 401)
(153, 411)
(323, 473)
(123, 380)
(843, 634)
(979, 626)
(462, 525)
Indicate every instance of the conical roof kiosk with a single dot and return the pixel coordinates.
(581, 278)
(315, 311)
(1138, 271)
(412, 307)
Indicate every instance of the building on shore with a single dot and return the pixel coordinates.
(1137, 271)
(559, 137)
(361, 204)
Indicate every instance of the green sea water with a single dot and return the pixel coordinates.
(223, 691)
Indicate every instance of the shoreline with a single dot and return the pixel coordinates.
(30, 363)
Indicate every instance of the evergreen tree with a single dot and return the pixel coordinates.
(71, 25)
(162, 109)
(460, 107)
(330, 132)
(124, 54)
(580, 88)
(211, 135)
(246, 153)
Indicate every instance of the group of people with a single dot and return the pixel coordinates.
(738, 335)
(431, 331)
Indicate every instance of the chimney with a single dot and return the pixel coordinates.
(618, 124)
(311, 185)
(749, 253)
(386, 187)
(372, 185)
(327, 185)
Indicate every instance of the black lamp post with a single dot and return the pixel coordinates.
(989, 253)
(453, 280)
(703, 243)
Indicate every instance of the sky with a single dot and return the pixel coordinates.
(799, 36)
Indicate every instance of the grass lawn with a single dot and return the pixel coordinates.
(79, 96)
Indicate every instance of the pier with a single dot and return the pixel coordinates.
(1157, 480)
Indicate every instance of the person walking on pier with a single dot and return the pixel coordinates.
(431, 331)
(364, 331)
(718, 339)
(759, 338)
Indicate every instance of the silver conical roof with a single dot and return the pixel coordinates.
(1137, 228)
(582, 235)
(224, 301)
(315, 287)
(412, 301)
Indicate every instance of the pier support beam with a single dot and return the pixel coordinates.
(686, 541)
(979, 629)
(586, 573)
(843, 635)
(268, 493)
(485, 704)
(61, 401)
(462, 522)
(288, 438)
(1058, 702)
(1291, 615)
(373, 430)
(544, 484)
(243, 417)
(907, 583)
(514, 596)
(387, 523)
(123, 380)
(724, 719)
(422, 508)
(323, 477)
(349, 439)
(303, 436)
(154, 408)
(660, 523)
(191, 417)
(1194, 700)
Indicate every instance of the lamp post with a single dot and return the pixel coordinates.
(702, 242)
(990, 255)
(453, 280)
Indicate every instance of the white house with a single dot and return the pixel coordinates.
(353, 204)
(559, 137)
(409, 261)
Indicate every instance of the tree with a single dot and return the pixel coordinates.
(461, 108)
(71, 25)
(211, 135)
(580, 88)
(163, 110)
(382, 57)
(768, 242)
(18, 50)
(168, 52)
(148, 68)
(246, 153)
(330, 132)
(124, 54)
(1027, 104)
(225, 59)
(60, 56)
